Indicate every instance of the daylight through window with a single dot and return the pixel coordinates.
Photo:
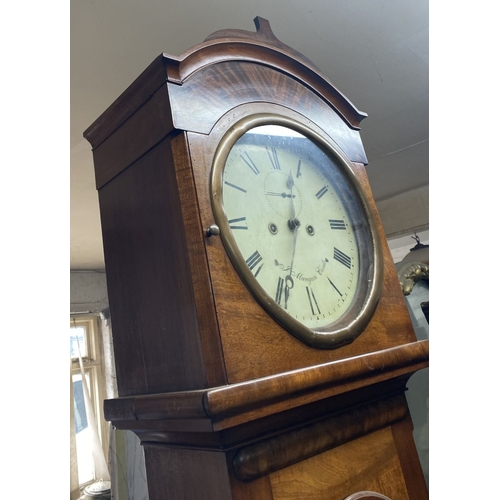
(85, 342)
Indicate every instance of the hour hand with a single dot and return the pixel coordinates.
(283, 195)
(288, 287)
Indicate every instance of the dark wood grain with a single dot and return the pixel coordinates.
(299, 383)
(234, 404)
(199, 272)
(178, 473)
(370, 470)
(263, 36)
(214, 90)
(143, 87)
(367, 463)
(198, 431)
(295, 446)
(139, 133)
(151, 297)
(264, 49)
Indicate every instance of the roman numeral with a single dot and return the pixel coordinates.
(298, 170)
(321, 192)
(251, 165)
(337, 224)
(337, 290)
(233, 223)
(273, 156)
(279, 290)
(342, 258)
(312, 301)
(252, 262)
(235, 187)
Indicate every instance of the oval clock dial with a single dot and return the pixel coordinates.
(296, 231)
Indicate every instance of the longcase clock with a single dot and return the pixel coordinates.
(261, 340)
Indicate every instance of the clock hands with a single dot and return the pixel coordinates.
(283, 195)
(293, 224)
(290, 183)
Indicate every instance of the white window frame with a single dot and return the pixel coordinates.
(93, 365)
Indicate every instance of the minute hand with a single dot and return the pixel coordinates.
(283, 195)
(293, 224)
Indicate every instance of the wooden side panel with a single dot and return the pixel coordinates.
(155, 327)
(145, 128)
(178, 473)
(200, 276)
(368, 463)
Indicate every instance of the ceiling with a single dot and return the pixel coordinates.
(376, 52)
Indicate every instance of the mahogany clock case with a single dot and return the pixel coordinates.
(228, 403)
(173, 292)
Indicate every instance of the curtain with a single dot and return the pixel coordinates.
(74, 483)
(100, 465)
(101, 472)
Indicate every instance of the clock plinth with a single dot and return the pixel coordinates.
(227, 400)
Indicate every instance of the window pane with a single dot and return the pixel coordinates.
(77, 337)
(79, 403)
(83, 437)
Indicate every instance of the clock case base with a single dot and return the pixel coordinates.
(329, 448)
(185, 328)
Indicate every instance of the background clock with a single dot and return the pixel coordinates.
(297, 228)
(219, 341)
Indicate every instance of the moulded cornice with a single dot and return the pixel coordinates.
(260, 47)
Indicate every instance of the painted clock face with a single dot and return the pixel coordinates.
(296, 231)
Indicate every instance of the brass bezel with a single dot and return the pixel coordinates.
(355, 319)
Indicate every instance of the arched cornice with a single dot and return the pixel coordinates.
(261, 47)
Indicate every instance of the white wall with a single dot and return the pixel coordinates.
(405, 213)
(88, 291)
